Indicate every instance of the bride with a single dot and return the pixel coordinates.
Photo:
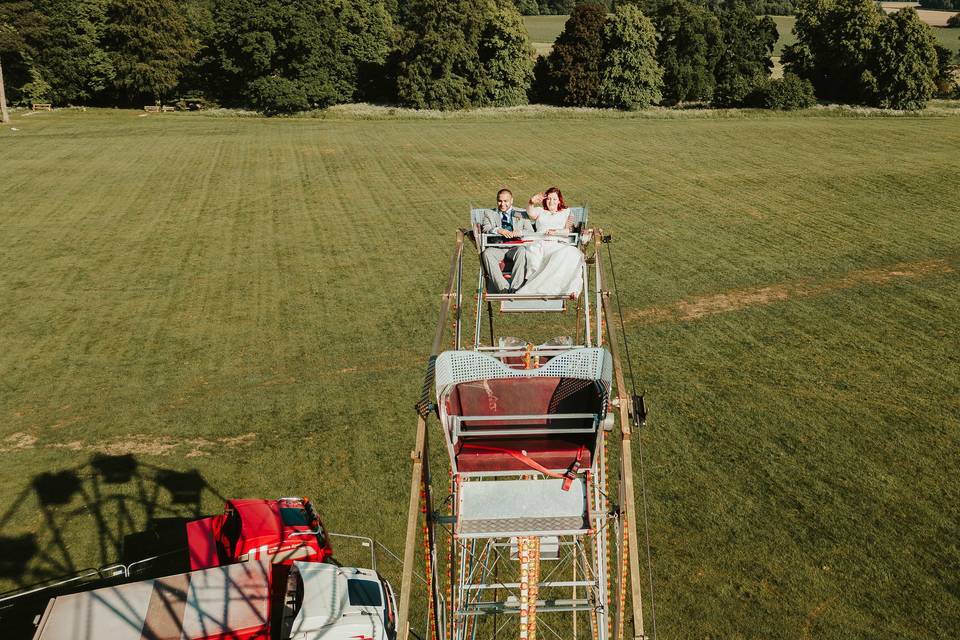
(554, 266)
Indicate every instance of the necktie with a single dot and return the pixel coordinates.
(506, 221)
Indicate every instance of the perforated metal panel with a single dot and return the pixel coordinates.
(454, 367)
(501, 508)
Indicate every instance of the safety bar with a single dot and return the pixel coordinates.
(572, 237)
(542, 350)
(528, 296)
(459, 430)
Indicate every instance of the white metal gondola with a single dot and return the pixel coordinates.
(533, 533)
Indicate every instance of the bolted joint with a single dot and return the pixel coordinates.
(638, 410)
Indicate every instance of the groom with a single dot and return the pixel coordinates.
(508, 223)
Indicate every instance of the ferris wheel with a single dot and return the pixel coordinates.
(523, 524)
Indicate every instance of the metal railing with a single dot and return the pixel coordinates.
(103, 573)
(128, 570)
(460, 429)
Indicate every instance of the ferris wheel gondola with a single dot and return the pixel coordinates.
(532, 531)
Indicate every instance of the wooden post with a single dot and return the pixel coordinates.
(626, 459)
(413, 510)
(4, 116)
(419, 458)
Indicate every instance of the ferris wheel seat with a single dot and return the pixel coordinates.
(504, 425)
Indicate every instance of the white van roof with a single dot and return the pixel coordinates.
(327, 610)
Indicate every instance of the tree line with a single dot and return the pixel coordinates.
(947, 5)
(565, 7)
(854, 53)
(282, 56)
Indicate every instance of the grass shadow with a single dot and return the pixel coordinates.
(136, 511)
(133, 510)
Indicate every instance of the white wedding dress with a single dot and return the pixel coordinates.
(553, 267)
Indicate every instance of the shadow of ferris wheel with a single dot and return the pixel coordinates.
(112, 510)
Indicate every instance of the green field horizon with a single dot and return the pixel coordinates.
(195, 307)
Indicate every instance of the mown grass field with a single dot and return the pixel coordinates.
(243, 307)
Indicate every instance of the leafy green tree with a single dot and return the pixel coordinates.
(557, 7)
(18, 22)
(69, 57)
(322, 51)
(506, 59)
(772, 7)
(273, 95)
(37, 89)
(852, 52)
(199, 17)
(150, 44)
(690, 45)
(787, 93)
(527, 7)
(365, 33)
(946, 72)
(21, 24)
(904, 65)
(461, 54)
(438, 60)
(631, 76)
(746, 46)
(833, 49)
(755, 7)
(571, 74)
(245, 45)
